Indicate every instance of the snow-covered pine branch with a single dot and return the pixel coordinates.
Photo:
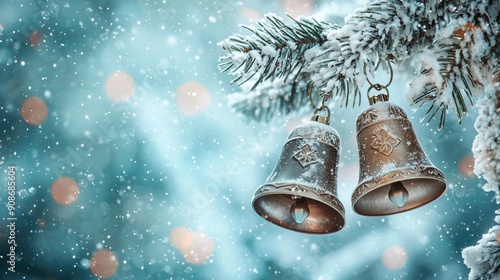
(459, 33)
(403, 30)
(486, 146)
(483, 259)
(274, 49)
(446, 79)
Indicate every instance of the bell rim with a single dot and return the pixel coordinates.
(280, 189)
(260, 193)
(429, 172)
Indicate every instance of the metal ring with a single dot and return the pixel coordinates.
(374, 86)
(323, 100)
(379, 86)
(321, 109)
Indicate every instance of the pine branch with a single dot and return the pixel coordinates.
(486, 146)
(274, 50)
(396, 29)
(484, 258)
(446, 79)
(383, 30)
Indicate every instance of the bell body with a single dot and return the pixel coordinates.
(395, 174)
(306, 174)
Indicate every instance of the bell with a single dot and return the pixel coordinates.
(395, 174)
(301, 192)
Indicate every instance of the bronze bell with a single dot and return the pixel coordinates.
(301, 192)
(395, 174)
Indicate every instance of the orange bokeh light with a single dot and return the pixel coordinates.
(180, 237)
(34, 111)
(120, 86)
(466, 166)
(394, 257)
(65, 191)
(196, 246)
(104, 263)
(41, 222)
(200, 248)
(192, 98)
(35, 38)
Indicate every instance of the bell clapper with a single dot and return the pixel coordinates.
(299, 210)
(398, 194)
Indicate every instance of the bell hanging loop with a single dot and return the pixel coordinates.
(319, 118)
(378, 86)
(378, 97)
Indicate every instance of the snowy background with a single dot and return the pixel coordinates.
(122, 104)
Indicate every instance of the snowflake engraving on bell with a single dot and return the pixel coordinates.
(395, 174)
(301, 192)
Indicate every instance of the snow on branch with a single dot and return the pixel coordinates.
(274, 49)
(447, 78)
(449, 50)
(461, 35)
(483, 259)
(486, 146)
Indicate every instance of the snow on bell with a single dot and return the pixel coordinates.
(301, 192)
(395, 174)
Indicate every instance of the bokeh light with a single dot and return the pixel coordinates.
(35, 38)
(65, 191)
(104, 263)
(120, 86)
(196, 247)
(41, 222)
(180, 237)
(466, 166)
(394, 257)
(192, 98)
(297, 8)
(34, 111)
(200, 248)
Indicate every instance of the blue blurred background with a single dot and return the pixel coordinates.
(124, 100)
